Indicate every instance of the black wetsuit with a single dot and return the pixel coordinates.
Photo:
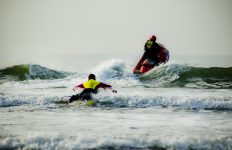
(86, 94)
(153, 51)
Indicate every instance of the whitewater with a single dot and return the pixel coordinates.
(175, 106)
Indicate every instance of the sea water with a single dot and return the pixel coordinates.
(184, 104)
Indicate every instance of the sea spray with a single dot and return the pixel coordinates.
(114, 68)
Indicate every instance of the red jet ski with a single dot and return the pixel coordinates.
(144, 65)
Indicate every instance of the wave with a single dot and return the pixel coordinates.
(143, 100)
(29, 71)
(175, 75)
(129, 100)
(89, 141)
(112, 69)
(116, 72)
(167, 76)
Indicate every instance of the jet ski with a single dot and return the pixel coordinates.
(144, 65)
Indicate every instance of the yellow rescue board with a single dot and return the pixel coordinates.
(77, 103)
(83, 103)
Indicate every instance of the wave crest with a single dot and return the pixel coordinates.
(175, 75)
(28, 72)
(189, 102)
(114, 68)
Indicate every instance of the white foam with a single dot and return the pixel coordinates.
(141, 128)
(114, 68)
(182, 100)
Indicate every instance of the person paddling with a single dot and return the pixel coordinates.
(90, 87)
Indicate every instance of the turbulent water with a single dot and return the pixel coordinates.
(175, 106)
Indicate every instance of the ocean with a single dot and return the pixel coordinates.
(184, 104)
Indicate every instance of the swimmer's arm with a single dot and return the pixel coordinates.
(78, 86)
(103, 85)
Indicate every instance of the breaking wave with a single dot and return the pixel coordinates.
(172, 75)
(134, 88)
(106, 142)
(175, 75)
(143, 100)
(129, 100)
(29, 71)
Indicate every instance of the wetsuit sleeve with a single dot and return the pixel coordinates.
(157, 47)
(103, 85)
(145, 47)
(79, 86)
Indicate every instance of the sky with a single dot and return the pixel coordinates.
(187, 27)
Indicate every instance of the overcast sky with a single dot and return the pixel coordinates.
(115, 26)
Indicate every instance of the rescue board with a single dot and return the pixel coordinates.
(77, 103)
(83, 103)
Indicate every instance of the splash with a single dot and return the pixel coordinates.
(114, 68)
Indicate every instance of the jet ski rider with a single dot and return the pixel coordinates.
(151, 51)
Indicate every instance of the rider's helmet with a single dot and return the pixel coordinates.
(153, 38)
